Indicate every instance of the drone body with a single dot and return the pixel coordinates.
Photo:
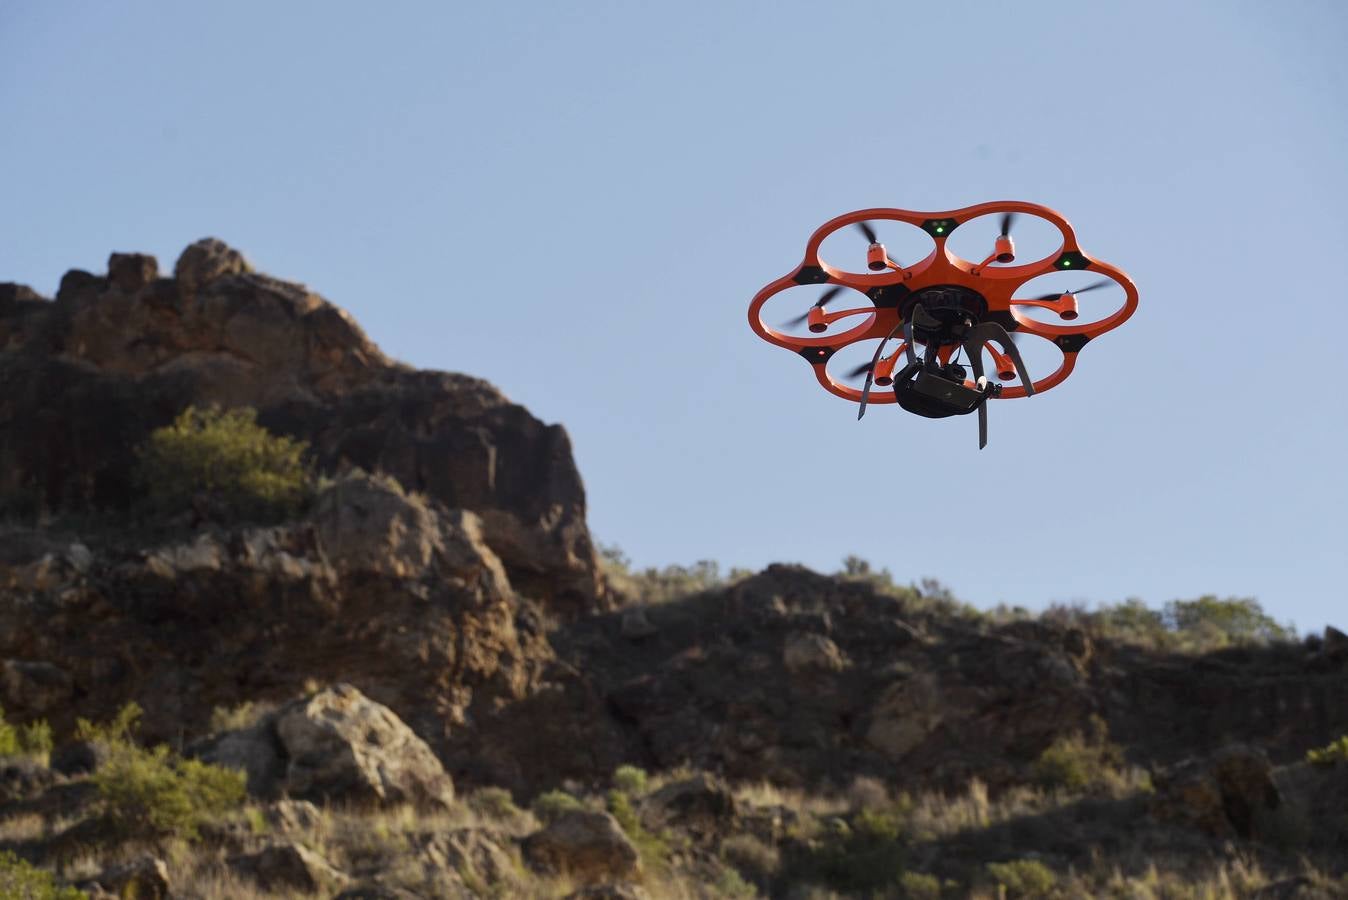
(942, 307)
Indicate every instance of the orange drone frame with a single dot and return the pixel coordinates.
(944, 304)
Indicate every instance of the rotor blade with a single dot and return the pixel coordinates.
(1093, 286)
(828, 295)
(1104, 282)
(824, 298)
(867, 230)
(859, 370)
(1007, 220)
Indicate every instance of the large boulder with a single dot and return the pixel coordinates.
(336, 745)
(587, 846)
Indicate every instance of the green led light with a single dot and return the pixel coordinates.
(1066, 263)
(939, 229)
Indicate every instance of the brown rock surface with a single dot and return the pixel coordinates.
(83, 381)
(587, 846)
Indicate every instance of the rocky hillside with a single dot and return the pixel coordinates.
(436, 619)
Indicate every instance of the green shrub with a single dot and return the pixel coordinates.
(654, 848)
(152, 793)
(21, 880)
(1027, 878)
(630, 780)
(494, 803)
(118, 730)
(1075, 763)
(554, 804)
(225, 457)
(33, 739)
(918, 886)
(1335, 752)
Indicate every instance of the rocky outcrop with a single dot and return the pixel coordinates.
(289, 866)
(399, 598)
(1225, 796)
(584, 845)
(84, 379)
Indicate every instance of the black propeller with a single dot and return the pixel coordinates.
(867, 230)
(1090, 287)
(1007, 220)
(824, 299)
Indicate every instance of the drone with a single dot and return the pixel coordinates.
(947, 307)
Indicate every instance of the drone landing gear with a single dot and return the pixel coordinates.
(928, 388)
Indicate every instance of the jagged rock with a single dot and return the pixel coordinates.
(470, 852)
(1224, 796)
(636, 624)
(289, 866)
(588, 846)
(1335, 645)
(22, 778)
(340, 745)
(79, 757)
(700, 805)
(205, 261)
(368, 525)
(34, 687)
(293, 816)
(907, 713)
(132, 271)
(806, 651)
(145, 878)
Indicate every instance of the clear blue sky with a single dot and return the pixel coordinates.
(577, 201)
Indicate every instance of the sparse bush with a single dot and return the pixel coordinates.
(21, 880)
(1027, 878)
(33, 739)
(237, 718)
(1074, 763)
(154, 793)
(867, 792)
(1194, 626)
(494, 803)
(654, 849)
(151, 793)
(730, 883)
(751, 856)
(239, 468)
(1330, 754)
(630, 780)
(918, 886)
(554, 804)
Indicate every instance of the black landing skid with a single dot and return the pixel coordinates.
(926, 387)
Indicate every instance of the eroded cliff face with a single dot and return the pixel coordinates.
(84, 378)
